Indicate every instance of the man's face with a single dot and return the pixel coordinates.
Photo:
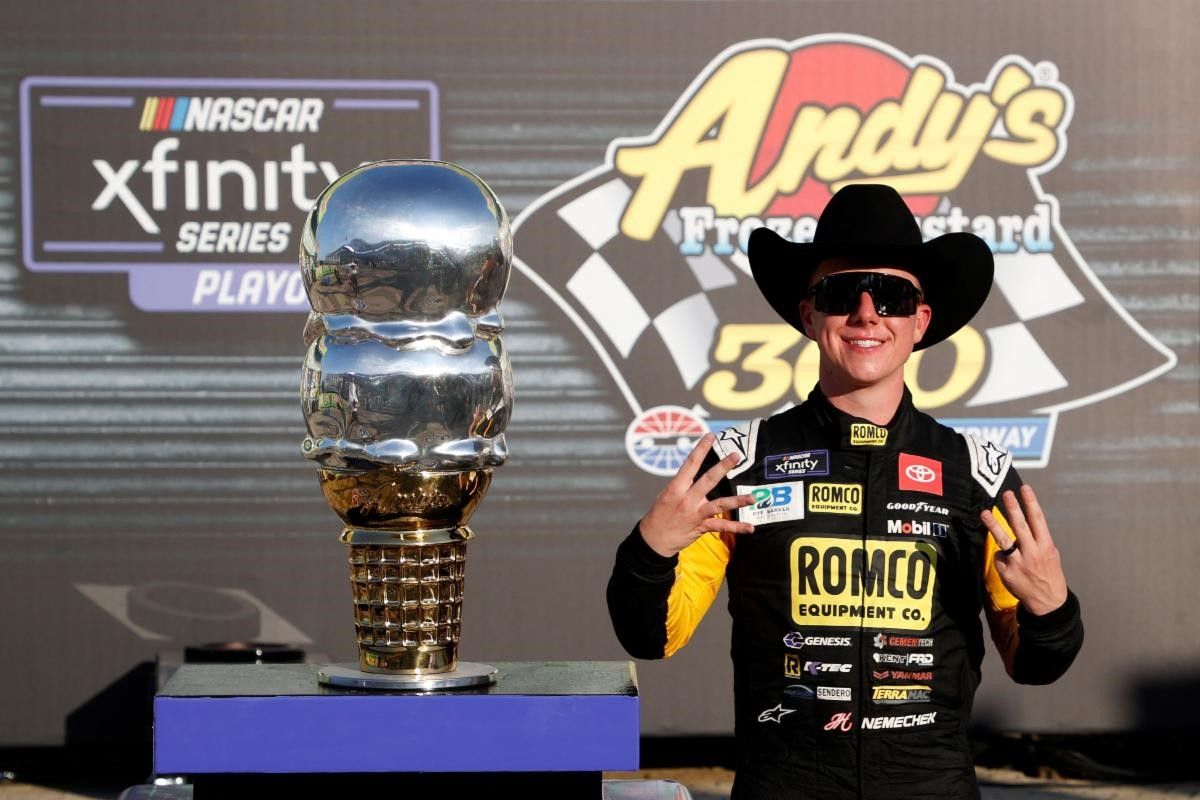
(862, 349)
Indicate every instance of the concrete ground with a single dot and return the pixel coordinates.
(714, 784)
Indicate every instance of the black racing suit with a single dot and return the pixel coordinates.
(856, 628)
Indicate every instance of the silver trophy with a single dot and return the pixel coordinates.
(406, 393)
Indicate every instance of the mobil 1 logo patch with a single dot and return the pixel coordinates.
(796, 465)
(777, 502)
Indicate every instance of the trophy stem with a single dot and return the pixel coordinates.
(408, 592)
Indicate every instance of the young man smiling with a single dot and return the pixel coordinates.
(859, 537)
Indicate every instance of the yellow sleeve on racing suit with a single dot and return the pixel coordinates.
(698, 577)
(1001, 606)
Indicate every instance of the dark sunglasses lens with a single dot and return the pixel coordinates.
(839, 294)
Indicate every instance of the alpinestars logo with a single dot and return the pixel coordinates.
(646, 254)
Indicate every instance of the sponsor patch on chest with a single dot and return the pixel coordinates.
(874, 583)
(920, 474)
(796, 465)
(776, 502)
(835, 498)
(864, 434)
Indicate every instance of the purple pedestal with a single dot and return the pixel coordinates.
(543, 717)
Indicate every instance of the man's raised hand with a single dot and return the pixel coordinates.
(682, 512)
(1029, 564)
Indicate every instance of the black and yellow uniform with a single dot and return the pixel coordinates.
(856, 634)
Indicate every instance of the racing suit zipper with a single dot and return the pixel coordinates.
(862, 630)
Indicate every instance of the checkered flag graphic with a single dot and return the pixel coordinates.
(1052, 333)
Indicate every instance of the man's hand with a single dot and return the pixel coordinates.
(682, 512)
(1032, 571)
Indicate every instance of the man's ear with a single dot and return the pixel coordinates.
(806, 312)
(923, 317)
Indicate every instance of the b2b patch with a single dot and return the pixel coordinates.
(776, 502)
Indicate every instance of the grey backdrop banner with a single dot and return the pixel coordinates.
(155, 164)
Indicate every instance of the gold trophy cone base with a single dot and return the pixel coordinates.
(466, 674)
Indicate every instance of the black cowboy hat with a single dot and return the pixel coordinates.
(870, 222)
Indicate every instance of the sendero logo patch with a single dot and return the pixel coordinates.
(877, 584)
(835, 498)
(863, 434)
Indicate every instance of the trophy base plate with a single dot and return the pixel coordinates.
(465, 675)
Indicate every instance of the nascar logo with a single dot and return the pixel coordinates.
(237, 114)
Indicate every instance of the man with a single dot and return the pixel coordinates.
(860, 538)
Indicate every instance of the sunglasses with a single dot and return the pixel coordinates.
(839, 293)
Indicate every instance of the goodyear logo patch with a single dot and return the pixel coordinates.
(863, 434)
(875, 584)
(835, 498)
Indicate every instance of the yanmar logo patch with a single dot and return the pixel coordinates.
(763, 136)
(195, 187)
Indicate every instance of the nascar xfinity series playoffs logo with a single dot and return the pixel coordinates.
(196, 187)
(646, 254)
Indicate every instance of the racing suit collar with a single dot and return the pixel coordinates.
(860, 434)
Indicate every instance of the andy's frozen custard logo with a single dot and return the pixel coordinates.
(647, 253)
(808, 142)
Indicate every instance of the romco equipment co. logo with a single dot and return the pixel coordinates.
(646, 254)
(196, 187)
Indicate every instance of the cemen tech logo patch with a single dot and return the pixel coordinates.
(195, 186)
(646, 254)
